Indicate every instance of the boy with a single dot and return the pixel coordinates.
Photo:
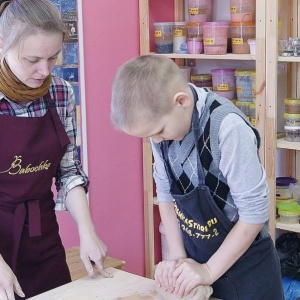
(211, 186)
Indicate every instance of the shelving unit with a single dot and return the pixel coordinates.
(260, 65)
(288, 11)
(228, 56)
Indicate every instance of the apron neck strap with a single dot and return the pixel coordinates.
(60, 130)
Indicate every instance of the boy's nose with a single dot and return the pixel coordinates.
(157, 139)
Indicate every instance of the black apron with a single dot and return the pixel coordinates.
(256, 275)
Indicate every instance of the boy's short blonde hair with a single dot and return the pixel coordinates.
(143, 89)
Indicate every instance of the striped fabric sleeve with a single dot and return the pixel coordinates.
(70, 173)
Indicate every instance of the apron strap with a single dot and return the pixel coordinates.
(34, 216)
(60, 130)
(164, 146)
(18, 225)
(196, 131)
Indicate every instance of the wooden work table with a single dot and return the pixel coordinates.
(123, 285)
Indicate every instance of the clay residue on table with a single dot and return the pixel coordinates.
(151, 296)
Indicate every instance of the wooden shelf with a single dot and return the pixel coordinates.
(288, 227)
(283, 144)
(289, 59)
(259, 63)
(228, 56)
(283, 85)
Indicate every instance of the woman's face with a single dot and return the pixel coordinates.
(34, 59)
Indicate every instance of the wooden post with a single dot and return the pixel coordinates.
(147, 157)
(271, 108)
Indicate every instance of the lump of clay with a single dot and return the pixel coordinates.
(200, 292)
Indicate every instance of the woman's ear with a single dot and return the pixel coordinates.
(182, 99)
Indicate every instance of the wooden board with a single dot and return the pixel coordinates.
(123, 286)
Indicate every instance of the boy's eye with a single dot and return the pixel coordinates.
(32, 61)
(160, 132)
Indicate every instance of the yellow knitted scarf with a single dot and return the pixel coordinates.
(17, 91)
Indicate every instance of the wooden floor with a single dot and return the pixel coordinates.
(77, 268)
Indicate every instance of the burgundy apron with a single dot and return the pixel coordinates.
(256, 275)
(31, 151)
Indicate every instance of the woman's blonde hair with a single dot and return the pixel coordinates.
(143, 89)
(22, 18)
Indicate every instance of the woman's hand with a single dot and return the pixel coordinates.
(189, 274)
(93, 250)
(91, 247)
(8, 282)
(164, 275)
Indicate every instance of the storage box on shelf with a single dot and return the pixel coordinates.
(259, 62)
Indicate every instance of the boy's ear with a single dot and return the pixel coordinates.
(182, 99)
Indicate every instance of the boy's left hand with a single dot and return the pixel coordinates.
(188, 274)
(164, 274)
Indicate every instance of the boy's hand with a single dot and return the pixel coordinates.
(189, 274)
(164, 275)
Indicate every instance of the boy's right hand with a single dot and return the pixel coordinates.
(8, 282)
(164, 275)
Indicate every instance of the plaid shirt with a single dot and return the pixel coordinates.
(70, 173)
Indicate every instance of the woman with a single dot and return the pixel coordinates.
(37, 117)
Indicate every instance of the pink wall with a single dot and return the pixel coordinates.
(111, 36)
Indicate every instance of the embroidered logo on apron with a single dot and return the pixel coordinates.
(16, 167)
